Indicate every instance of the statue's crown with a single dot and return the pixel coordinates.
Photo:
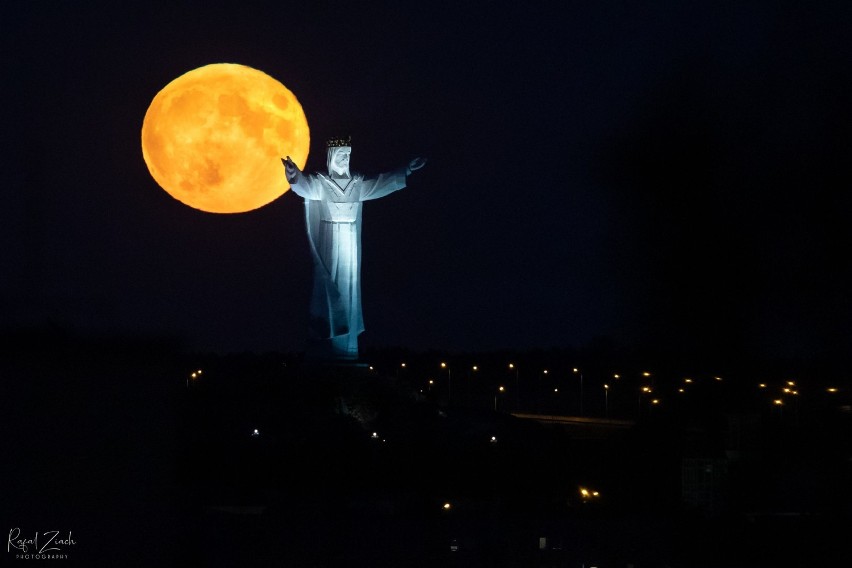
(338, 142)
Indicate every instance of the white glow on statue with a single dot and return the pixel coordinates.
(333, 218)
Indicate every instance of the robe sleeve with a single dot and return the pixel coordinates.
(306, 185)
(383, 184)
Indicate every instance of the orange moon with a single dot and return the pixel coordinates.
(214, 137)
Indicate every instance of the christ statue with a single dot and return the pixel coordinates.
(333, 217)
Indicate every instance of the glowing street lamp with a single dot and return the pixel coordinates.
(606, 401)
(576, 372)
(449, 381)
(194, 375)
(513, 367)
(500, 390)
(645, 389)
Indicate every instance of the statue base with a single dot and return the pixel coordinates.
(339, 350)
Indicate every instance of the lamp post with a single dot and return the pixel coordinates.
(499, 390)
(512, 367)
(194, 375)
(606, 401)
(578, 371)
(449, 382)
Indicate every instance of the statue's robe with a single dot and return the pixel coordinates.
(333, 216)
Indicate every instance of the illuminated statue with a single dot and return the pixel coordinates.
(333, 215)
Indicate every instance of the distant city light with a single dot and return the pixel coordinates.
(646, 389)
(616, 376)
(655, 401)
(255, 433)
(402, 365)
(681, 390)
(475, 368)
(443, 365)
(762, 385)
(587, 493)
(545, 371)
(791, 383)
(786, 389)
(778, 402)
(646, 374)
(831, 389)
(501, 389)
(375, 436)
(718, 378)
(555, 390)
(687, 380)
(447, 506)
(511, 365)
(493, 439)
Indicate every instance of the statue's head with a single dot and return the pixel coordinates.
(339, 151)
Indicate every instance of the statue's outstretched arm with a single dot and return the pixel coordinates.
(302, 185)
(291, 169)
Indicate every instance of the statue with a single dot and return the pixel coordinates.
(333, 217)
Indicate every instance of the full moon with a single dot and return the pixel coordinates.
(214, 137)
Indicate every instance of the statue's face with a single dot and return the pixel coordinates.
(338, 160)
(341, 157)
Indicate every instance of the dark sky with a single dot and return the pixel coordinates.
(671, 176)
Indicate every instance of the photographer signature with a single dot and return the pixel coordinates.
(50, 544)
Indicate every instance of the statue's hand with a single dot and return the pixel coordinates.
(416, 164)
(291, 169)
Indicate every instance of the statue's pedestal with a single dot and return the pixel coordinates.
(336, 369)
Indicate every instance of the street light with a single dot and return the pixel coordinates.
(194, 375)
(606, 401)
(512, 367)
(499, 390)
(577, 371)
(449, 382)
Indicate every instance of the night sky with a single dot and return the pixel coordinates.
(671, 177)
